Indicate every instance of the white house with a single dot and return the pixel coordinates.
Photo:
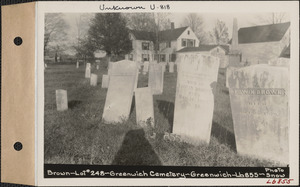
(259, 44)
(170, 41)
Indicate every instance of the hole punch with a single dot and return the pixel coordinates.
(18, 146)
(18, 41)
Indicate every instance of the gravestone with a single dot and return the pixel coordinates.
(194, 102)
(77, 64)
(144, 107)
(279, 62)
(259, 98)
(146, 67)
(120, 91)
(171, 67)
(156, 78)
(46, 65)
(97, 63)
(61, 100)
(88, 70)
(94, 79)
(105, 81)
(97, 67)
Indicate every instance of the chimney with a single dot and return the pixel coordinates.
(172, 25)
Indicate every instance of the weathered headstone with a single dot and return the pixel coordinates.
(194, 102)
(120, 91)
(259, 97)
(146, 67)
(279, 62)
(105, 81)
(61, 100)
(94, 79)
(77, 64)
(46, 65)
(171, 67)
(156, 78)
(88, 70)
(144, 106)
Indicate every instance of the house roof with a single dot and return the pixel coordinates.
(171, 34)
(263, 33)
(285, 53)
(203, 48)
(166, 35)
(143, 35)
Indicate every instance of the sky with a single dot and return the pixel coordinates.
(209, 19)
(244, 19)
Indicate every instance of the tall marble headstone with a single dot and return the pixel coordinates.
(88, 70)
(144, 106)
(234, 55)
(94, 79)
(156, 78)
(194, 102)
(259, 97)
(61, 100)
(105, 81)
(118, 101)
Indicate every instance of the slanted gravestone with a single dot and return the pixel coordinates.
(94, 79)
(146, 67)
(88, 70)
(105, 81)
(194, 102)
(144, 107)
(120, 91)
(156, 78)
(171, 67)
(61, 100)
(259, 97)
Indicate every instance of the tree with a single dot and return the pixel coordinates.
(55, 30)
(219, 35)
(274, 18)
(108, 32)
(195, 22)
(140, 21)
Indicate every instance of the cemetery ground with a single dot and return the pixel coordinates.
(78, 135)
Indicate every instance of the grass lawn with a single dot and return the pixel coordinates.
(78, 136)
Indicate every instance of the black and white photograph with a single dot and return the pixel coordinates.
(167, 90)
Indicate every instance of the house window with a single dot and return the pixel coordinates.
(145, 45)
(173, 57)
(169, 44)
(190, 43)
(183, 42)
(130, 56)
(188, 32)
(145, 57)
(162, 58)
